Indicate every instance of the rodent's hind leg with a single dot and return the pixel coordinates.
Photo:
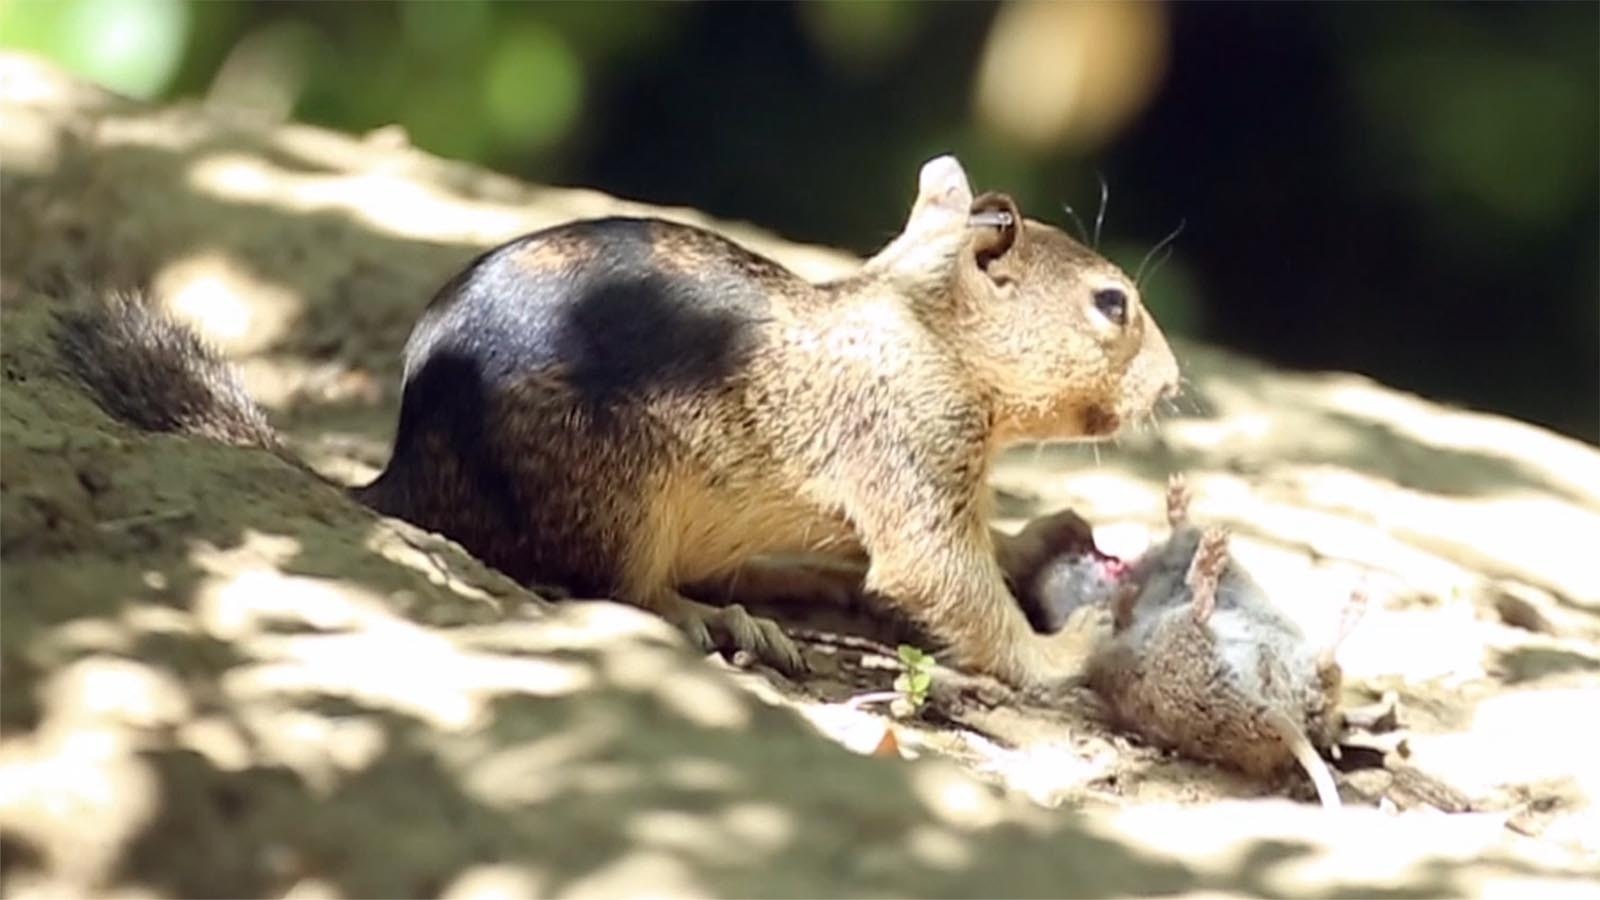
(728, 629)
(1177, 500)
(1122, 605)
(1355, 607)
(1205, 571)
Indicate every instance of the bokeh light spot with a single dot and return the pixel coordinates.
(533, 87)
(130, 46)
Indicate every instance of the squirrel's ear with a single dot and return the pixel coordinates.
(996, 223)
(937, 225)
(943, 197)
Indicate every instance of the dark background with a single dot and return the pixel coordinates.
(1404, 190)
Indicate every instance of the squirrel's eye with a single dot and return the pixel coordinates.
(1113, 304)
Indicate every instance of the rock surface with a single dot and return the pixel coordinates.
(220, 677)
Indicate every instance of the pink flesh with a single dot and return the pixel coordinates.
(1114, 567)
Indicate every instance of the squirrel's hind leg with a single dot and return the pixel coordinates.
(727, 629)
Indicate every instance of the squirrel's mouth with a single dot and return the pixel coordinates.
(1064, 420)
(1100, 422)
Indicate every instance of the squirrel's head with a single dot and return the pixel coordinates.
(1054, 333)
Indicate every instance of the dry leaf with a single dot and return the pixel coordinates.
(888, 747)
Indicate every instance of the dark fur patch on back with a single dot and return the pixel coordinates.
(612, 324)
(541, 358)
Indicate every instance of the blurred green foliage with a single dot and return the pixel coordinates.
(132, 45)
(1408, 190)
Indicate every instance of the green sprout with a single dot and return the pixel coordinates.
(912, 684)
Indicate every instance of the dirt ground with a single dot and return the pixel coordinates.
(220, 677)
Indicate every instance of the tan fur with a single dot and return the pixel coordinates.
(555, 254)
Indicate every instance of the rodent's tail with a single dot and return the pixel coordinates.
(1306, 755)
(154, 372)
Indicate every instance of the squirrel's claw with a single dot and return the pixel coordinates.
(730, 629)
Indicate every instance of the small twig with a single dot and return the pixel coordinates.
(848, 641)
(861, 700)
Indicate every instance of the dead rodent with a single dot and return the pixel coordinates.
(1200, 661)
(631, 407)
(1061, 570)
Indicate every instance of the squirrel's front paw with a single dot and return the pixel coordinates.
(729, 629)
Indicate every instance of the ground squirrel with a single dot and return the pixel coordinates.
(627, 407)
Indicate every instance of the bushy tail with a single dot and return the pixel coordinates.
(154, 372)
